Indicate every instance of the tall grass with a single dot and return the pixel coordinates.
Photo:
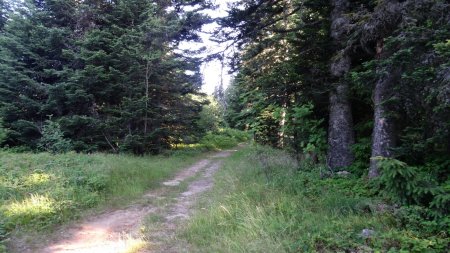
(263, 202)
(38, 191)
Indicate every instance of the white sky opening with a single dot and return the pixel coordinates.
(213, 72)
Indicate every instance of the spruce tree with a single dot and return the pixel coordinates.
(108, 72)
(33, 62)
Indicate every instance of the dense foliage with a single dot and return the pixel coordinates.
(107, 72)
(361, 86)
(284, 68)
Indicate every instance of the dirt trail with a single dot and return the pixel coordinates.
(119, 230)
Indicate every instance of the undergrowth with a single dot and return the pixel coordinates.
(266, 202)
(215, 140)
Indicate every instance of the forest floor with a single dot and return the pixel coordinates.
(147, 225)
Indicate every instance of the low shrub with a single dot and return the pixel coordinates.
(217, 140)
(224, 138)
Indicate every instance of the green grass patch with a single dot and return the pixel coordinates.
(38, 191)
(221, 139)
(224, 138)
(262, 202)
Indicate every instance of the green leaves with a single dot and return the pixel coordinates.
(414, 185)
(308, 133)
(399, 179)
(3, 132)
(443, 48)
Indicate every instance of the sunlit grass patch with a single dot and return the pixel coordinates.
(39, 191)
(35, 204)
(134, 245)
(222, 138)
(37, 179)
(34, 209)
(186, 146)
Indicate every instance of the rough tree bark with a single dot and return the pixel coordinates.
(384, 130)
(340, 132)
(384, 20)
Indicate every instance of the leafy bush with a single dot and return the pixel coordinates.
(214, 141)
(3, 132)
(223, 138)
(307, 132)
(220, 139)
(361, 151)
(133, 144)
(238, 135)
(211, 116)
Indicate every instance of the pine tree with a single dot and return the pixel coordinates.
(108, 72)
(33, 62)
(281, 69)
(4, 9)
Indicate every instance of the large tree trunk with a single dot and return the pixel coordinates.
(340, 131)
(384, 130)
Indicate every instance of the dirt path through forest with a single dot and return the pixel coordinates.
(118, 231)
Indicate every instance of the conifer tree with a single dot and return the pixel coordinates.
(108, 71)
(33, 62)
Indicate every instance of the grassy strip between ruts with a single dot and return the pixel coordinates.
(38, 191)
(263, 203)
